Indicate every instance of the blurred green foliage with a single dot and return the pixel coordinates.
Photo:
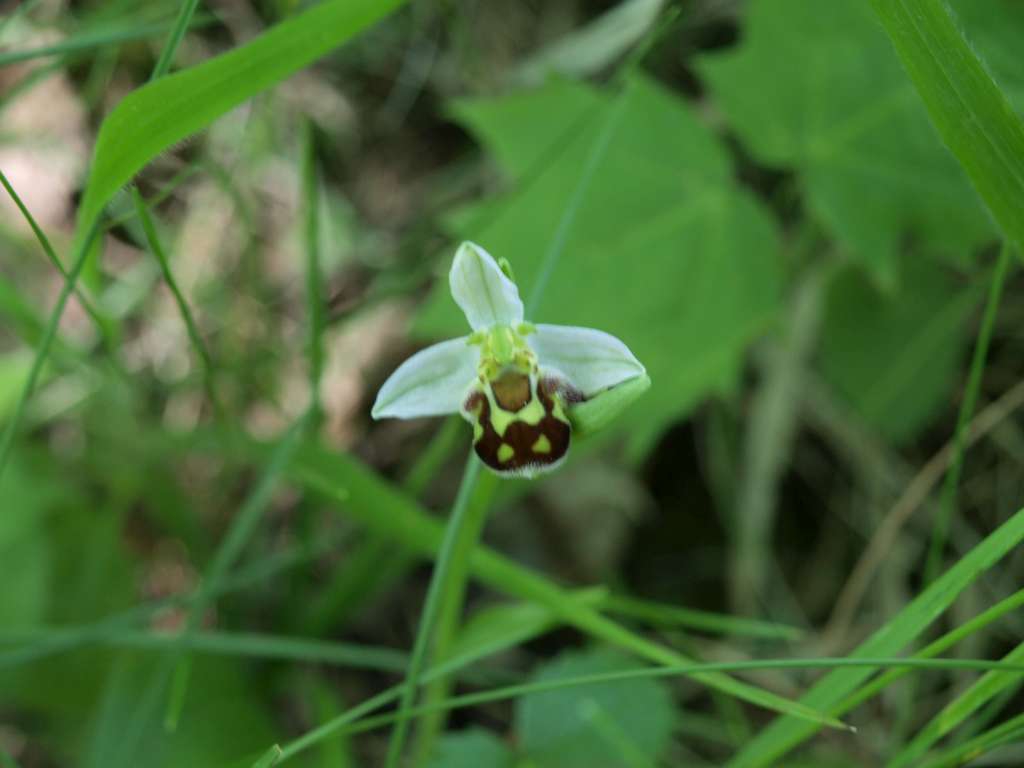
(751, 145)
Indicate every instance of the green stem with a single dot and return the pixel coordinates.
(47, 247)
(940, 533)
(45, 343)
(440, 585)
(431, 726)
(157, 248)
(314, 290)
(163, 64)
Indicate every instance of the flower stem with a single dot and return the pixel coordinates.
(442, 584)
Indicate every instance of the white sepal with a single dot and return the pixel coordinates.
(486, 295)
(432, 382)
(590, 360)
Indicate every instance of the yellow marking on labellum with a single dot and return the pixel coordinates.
(543, 445)
(505, 453)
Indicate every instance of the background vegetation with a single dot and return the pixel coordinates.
(226, 223)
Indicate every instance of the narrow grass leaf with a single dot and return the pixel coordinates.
(243, 526)
(963, 706)
(662, 615)
(940, 531)
(371, 501)
(155, 117)
(441, 586)
(972, 115)
(181, 24)
(784, 734)
(42, 351)
(1009, 732)
(270, 758)
(90, 41)
(157, 249)
(51, 254)
(934, 648)
(688, 670)
(314, 289)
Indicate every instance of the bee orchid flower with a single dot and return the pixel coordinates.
(523, 387)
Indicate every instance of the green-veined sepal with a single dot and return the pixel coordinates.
(433, 382)
(485, 294)
(594, 414)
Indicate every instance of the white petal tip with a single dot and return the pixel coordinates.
(483, 291)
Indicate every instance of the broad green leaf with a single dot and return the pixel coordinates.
(974, 118)
(895, 358)
(895, 635)
(816, 87)
(472, 748)
(606, 724)
(666, 251)
(155, 117)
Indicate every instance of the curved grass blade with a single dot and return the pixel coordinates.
(974, 117)
(826, 696)
(963, 706)
(350, 722)
(51, 254)
(940, 531)
(90, 41)
(154, 118)
(181, 23)
(374, 503)
(192, 328)
(1008, 732)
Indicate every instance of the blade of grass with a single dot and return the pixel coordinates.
(269, 759)
(157, 249)
(533, 621)
(166, 111)
(49, 334)
(1009, 732)
(505, 693)
(243, 526)
(659, 614)
(940, 531)
(241, 644)
(21, 9)
(947, 641)
(768, 442)
(972, 115)
(377, 565)
(450, 614)
(456, 533)
(959, 709)
(101, 325)
(314, 289)
(784, 734)
(90, 41)
(364, 497)
(181, 25)
(66, 639)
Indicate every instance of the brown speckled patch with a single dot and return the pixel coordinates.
(521, 437)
